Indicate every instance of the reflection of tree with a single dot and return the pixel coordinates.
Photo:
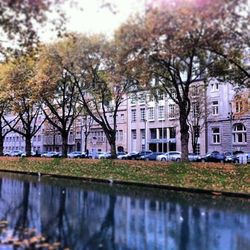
(58, 227)
(184, 234)
(22, 221)
(104, 238)
(1, 181)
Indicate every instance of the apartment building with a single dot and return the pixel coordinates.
(152, 124)
(15, 141)
(219, 120)
(228, 122)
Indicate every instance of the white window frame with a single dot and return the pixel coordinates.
(216, 138)
(133, 115)
(215, 86)
(151, 113)
(215, 108)
(143, 114)
(171, 111)
(238, 106)
(161, 112)
(239, 134)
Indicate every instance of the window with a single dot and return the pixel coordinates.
(133, 115)
(238, 106)
(143, 114)
(133, 134)
(151, 113)
(172, 132)
(198, 149)
(215, 108)
(153, 133)
(216, 135)
(161, 113)
(160, 96)
(142, 98)
(239, 133)
(195, 109)
(142, 134)
(119, 135)
(171, 110)
(162, 133)
(215, 86)
(196, 130)
(133, 99)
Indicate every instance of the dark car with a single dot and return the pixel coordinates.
(215, 156)
(229, 157)
(150, 157)
(136, 155)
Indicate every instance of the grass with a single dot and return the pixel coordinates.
(209, 176)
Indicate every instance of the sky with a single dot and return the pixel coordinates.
(94, 16)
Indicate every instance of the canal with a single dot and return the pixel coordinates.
(82, 215)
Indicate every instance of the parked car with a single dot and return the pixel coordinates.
(240, 158)
(215, 156)
(32, 154)
(194, 157)
(150, 157)
(6, 153)
(137, 155)
(95, 155)
(104, 155)
(76, 154)
(51, 154)
(16, 153)
(169, 156)
(121, 155)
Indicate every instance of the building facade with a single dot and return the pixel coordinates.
(219, 121)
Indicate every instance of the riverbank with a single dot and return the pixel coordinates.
(201, 177)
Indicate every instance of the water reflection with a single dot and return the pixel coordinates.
(97, 216)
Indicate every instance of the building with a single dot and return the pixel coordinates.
(219, 121)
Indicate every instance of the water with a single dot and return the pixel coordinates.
(83, 215)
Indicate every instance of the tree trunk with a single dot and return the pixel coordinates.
(194, 143)
(86, 143)
(184, 137)
(112, 142)
(1, 144)
(28, 146)
(64, 144)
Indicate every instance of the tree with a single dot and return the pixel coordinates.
(19, 21)
(58, 91)
(86, 128)
(4, 108)
(25, 99)
(198, 114)
(230, 41)
(169, 40)
(102, 82)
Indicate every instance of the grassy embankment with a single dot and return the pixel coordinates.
(212, 176)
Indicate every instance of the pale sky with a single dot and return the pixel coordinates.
(88, 16)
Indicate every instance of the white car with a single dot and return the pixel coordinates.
(16, 153)
(121, 155)
(169, 156)
(51, 154)
(104, 155)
